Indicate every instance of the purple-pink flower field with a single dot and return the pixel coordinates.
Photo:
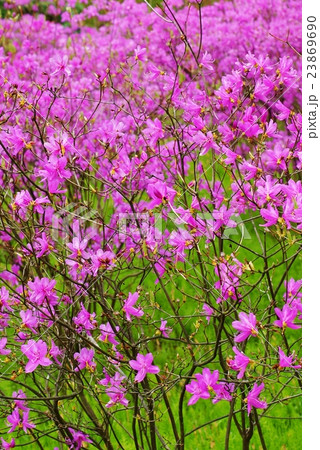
(150, 224)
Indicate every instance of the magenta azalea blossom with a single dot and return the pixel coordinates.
(154, 131)
(222, 218)
(198, 390)
(85, 360)
(78, 438)
(3, 343)
(223, 392)
(20, 420)
(164, 329)
(60, 63)
(239, 363)
(129, 308)
(117, 396)
(36, 352)
(55, 352)
(246, 325)
(7, 445)
(286, 317)
(77, 248)
(292, 290)
(85, 320)
(253, 400)
(208, 311)
(107, 333)
(29, 320)
(41, 290)
(287, 361)
(54, 172)
(105, 260)
(205, 384)
(271, 215)
(42, 245)
(208, 378)
(4, 300)
(160, 193)
(19, 400)
(143, 364)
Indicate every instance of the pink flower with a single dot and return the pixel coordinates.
(77, 248)
(85, 320)
(21, 202)
(248, 124)
(106, 380)
(4, 297)
(271, 215)
(271, 129)
(181, 240)
(205, 142)
(160, 193)
(54, 172)
(292, 214)
(268, 190)
(143, 364)
(36, 204)
(61, 65)
(283, 110)
(117, 395)
(117, 379)
(105, 260)
(246, 326)
(231, 157)
(85, 360)
(78, 438)
(223, 392)
(154, 131)
(114, 131)
(208, 378)
(15, 140)
(36, 352)
(286, 317)
(60, 145)
(239, 363)
(222, 218)
(208, 311)
(16, 419)
(55, 352)
(107, 333)
(3, 343)
(249, 170)
(42, 245)
(20, 402)
(198, 390)
(277, 157)
(292, 290)
(154, 72)
(252, 398)
(129, 308)
(7, 445)
(164, 329)
(287, 361)
(29, 320)
(206, 382)
(42, 290)
(206, 61)
(139, 53)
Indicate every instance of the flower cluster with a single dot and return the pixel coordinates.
(150, 232)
